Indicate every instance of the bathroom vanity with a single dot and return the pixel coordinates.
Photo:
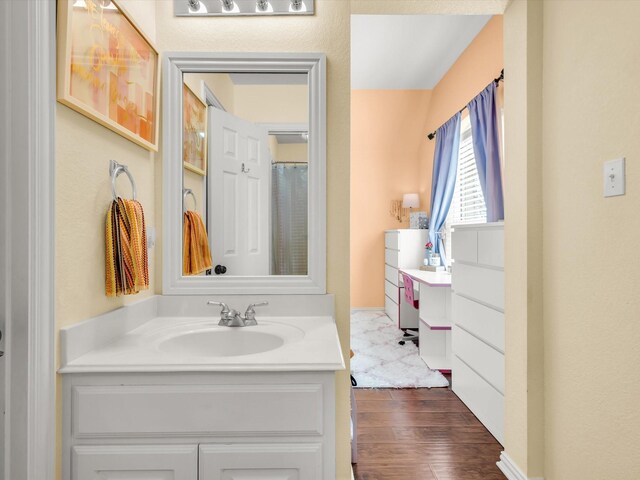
(158, 390)
(144, 397)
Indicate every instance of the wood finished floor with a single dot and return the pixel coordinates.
(422, 434)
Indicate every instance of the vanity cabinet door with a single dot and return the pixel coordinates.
(279, 461)
(135, 462)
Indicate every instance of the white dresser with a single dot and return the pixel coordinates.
(478, 322)
(404, 248)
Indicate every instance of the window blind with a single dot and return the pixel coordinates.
(468, 202)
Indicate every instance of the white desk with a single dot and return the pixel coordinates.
(434, 317)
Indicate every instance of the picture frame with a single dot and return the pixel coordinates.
(108, 69)
(194, 131)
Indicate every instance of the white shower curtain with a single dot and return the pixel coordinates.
(289, 219)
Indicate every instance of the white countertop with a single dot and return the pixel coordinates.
(312, 346)
(433, 279)
(134, 338)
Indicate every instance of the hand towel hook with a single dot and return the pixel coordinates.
(185, 192)
(116, 169)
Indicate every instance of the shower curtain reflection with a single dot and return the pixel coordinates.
(289, 219)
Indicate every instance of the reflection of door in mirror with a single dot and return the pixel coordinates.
(239, 200)
(254, 195)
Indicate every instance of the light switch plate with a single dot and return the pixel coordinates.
(614, 177)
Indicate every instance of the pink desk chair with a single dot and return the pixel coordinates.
(409, 298)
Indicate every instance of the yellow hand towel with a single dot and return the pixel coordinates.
(126, 260)
(196, 256)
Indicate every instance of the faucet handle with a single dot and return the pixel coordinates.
(225, 308)
(226, 315)
(250, 314)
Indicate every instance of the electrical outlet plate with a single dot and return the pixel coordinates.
(614, 177)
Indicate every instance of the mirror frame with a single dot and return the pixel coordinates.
(174, 65)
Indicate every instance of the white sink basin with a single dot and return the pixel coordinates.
(202, 339)
(221, 343)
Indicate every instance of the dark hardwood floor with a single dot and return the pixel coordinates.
(422, 434)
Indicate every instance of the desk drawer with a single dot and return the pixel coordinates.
(486, 361)
(391, 275)
(391, 240)
(391, 257)
(391, 291)
(391, 309)
(211, 410)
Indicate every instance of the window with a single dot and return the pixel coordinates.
(468, 204)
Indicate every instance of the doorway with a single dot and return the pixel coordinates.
(410, 74)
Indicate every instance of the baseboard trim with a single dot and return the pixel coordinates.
(511, 470)
(367, 309)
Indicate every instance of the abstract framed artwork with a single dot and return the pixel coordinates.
(108, 69)
(194, 131)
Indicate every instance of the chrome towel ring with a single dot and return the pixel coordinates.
(185, 192)
(116, 169)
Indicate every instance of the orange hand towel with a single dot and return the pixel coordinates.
(126, 260)
(196, 256)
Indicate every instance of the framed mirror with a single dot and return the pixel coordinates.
(244, 173)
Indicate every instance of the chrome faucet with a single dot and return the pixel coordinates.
(232, 318)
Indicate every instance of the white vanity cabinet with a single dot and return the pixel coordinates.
(199, 425)
(139, 462)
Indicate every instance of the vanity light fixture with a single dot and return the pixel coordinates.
(297, 6)
(226, 8)
(196, 6)
(263, 6)
(228, 5)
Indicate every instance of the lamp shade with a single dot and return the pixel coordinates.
(410, 200)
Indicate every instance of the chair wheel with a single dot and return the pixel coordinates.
(401, 342)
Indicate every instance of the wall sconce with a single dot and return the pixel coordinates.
(410, 200)
(401, 209)
(186, 8)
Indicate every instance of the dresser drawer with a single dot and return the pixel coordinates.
(391, 275)
(391, 309)
(391, 257)
(483, 400)
(486, 361)
(391, 291)
(491, 247)
(211, 410)
(464, 245)
(391, 240)
(482, 284)
(484, 322)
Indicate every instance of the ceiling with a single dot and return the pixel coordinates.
(407, 52)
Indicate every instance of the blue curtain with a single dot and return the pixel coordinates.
(483, 114)
(445, 169)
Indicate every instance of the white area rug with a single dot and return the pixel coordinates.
(379, 361)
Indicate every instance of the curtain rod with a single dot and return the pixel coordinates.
(497, 80)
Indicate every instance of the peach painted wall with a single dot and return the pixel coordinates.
(390, 154)
(475, 68)
(387, 129)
